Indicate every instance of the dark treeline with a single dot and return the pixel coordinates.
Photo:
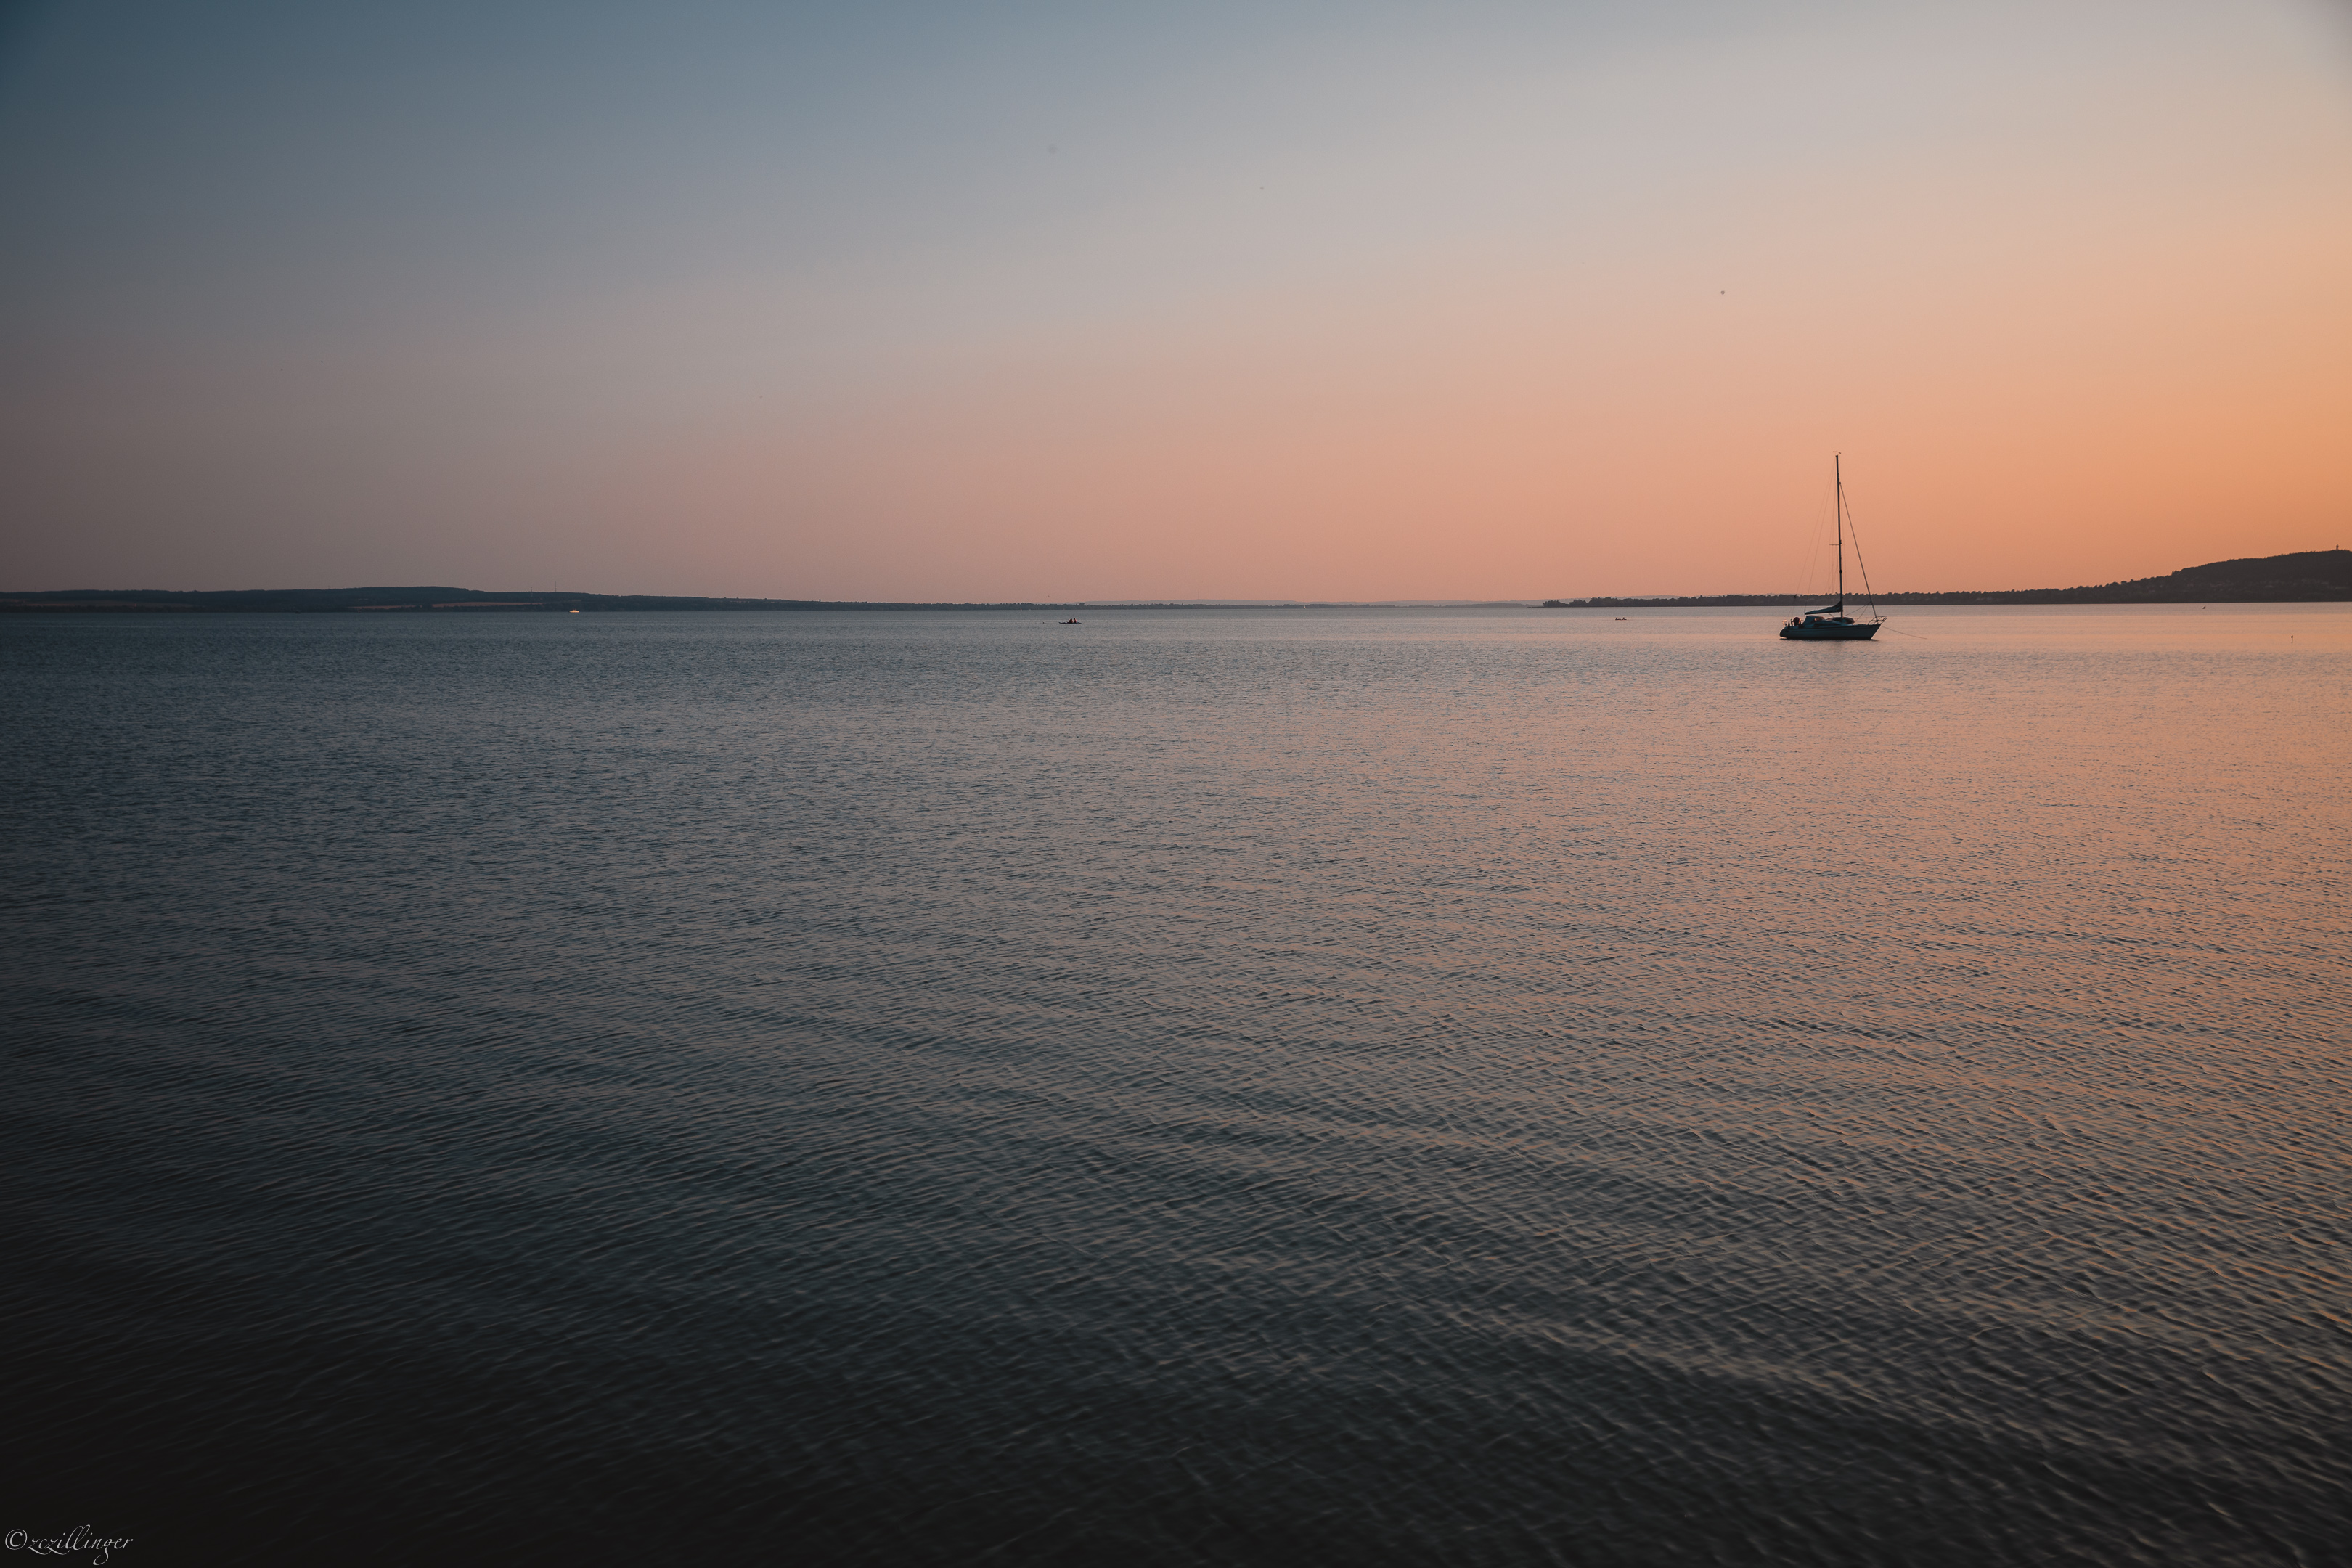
(2301, 577)
(2304, 576)
(299, 600)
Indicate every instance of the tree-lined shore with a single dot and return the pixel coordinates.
(387, 600)
(2304, 576)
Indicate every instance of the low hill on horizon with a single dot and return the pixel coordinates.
(2302, 576)
(307, 600)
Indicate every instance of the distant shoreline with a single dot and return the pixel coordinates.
(2303, 576)
(2309, 576)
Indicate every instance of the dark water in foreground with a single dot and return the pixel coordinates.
(1257, 1087)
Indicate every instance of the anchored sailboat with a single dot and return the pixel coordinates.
(1831, 623)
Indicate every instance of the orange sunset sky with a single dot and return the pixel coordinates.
(1043, 301)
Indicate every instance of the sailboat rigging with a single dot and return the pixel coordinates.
(1831, 623)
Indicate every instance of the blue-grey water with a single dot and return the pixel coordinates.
(1255, 1087)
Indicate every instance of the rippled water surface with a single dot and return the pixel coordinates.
(1277, 1086)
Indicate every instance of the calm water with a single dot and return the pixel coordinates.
(1470, 1088)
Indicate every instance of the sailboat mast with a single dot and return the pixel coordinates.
(1837, 468)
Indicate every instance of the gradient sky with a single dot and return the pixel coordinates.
(1060, 301)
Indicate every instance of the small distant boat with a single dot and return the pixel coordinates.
(1071, 622)
(1831, 623)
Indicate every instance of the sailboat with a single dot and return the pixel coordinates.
(1831, 623)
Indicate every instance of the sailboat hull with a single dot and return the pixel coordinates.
(1860, 631)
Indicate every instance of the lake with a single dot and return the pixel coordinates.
(1355, 1087)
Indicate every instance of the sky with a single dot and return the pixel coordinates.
(1048, 301)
